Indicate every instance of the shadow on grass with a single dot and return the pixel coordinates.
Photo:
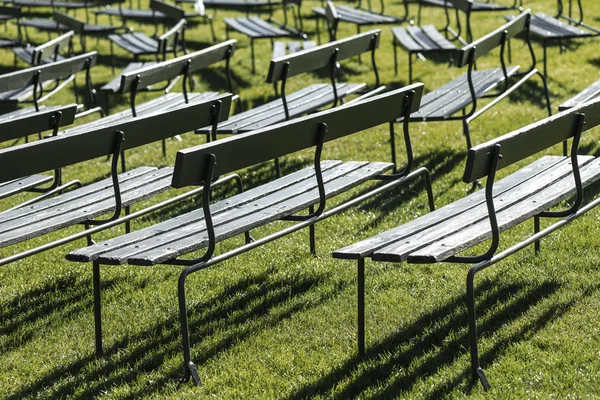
(40, 309)
(435, 331)
(246, 308)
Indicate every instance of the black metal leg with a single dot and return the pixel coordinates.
(544, 45)
(395, 57)
(164, 147)
(97, 310)
(252, 51)
(467, 133)
(546, 93)
(212, 30)
(188, 366)
(361, 307)
(277, 168)
(311, 233)
(393, 146)
(476, 368)
(410, 69)
(536, 229)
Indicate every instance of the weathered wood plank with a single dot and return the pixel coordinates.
(366, 247)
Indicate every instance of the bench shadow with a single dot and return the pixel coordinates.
(245, 307)
(42, 308)
(435, 330)
(438, 163)
(216, 79)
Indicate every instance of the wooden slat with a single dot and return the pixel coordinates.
(521, 192)
(56, 70)
(115, 83)
(521, 212)
(63, 150)
(159, 72)
(494, 39)
(11, 188)
(73, 23)
(320, 56)
(284, 183)
(301, 102)
(279, 49)
(456, 95)
(135, 43)
(239, 219)
(547, 26)
(264, 144)
(585, 95)
(34, 122)
(171, 11)
(529, 140)
(53, 46)
(87, 207)
(463, 206)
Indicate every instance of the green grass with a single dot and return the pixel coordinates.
(279, 323)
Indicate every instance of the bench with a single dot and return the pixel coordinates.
(19, 125)
(6, 14)
(361, 16)
(444, 103)
(280, 199)
(63, 22)
(529, 193)
(257, 28)
(428, 41)
(312, 97)
(140, 44)
(589, 93)
(168, 71)
(559, 27)
(28, 85)
(47, 52)
(112, 195)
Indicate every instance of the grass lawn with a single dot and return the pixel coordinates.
(279, 323)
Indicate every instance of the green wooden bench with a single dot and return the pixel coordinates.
(6, 14)
(257, 28)
(19, 125)
(62, 22)
(445, 234)
(312, 97)
(47, 52)
(168, 71)
(28, 85)
(589, 93)
(462, 93)
(428, 41)
(561, 26)
(281, 199)
(140, 44)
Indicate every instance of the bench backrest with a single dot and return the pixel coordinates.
(532, 139)
(14, 12)
(484, 45)
(258, 146)
(56, 70)
(463, 5)
(63, 150)
(173, 12)
(333, 19)
(321, 56)
(74, 24)
(41, 121)
(52, 48)
(171, 69)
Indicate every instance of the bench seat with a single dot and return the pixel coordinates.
(548, 27)
(449, 230)
(256, 28)
(48, 3)
(11, 188)
(115, 83)
(455, 95)
(235, 4)
(232, 216)
(301, 102)
(26, 54)
(423, 39)
(476, 5)
(136, 43)
(358, 16)
(585, 95)
(163, 103)
(138, 14)
(51, 25)
(80, 205)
